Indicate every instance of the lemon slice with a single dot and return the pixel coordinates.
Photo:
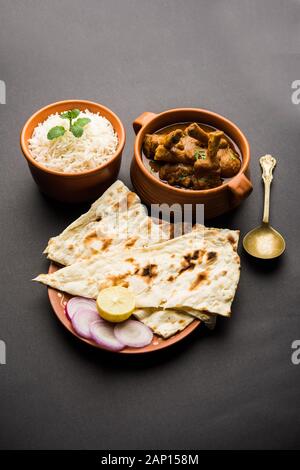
(115, 304)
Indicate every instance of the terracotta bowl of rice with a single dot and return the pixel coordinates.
(70, 167)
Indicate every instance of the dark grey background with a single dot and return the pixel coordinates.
(233, 388)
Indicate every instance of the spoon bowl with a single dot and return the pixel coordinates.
(264, 242)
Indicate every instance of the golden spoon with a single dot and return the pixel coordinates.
(264, 241)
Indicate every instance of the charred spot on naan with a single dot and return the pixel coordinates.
(190, 260)
(116, 280)
(196, 255)
(211, 257)
(200, 279)
(93, 237)
(185, 266)
(106, 242)
(148, 272)
(149, 224)
(131, 242)
(126, 202)
(232, 241)
(131, 199)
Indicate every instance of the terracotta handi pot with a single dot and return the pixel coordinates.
(73, 187)
(216, 201)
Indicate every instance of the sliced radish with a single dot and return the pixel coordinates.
(133, 333)
(103, 334)
(75, 304)
(82, 321)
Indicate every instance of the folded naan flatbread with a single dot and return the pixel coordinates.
(117, 221)
(164, 323)
(167, 322)
(197, 272)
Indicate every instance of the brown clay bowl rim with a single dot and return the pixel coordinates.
(190, 192)
(53, 106)
(57, 298)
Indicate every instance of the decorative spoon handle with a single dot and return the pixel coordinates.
(268, 163)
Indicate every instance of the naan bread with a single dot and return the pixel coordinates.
(164, 323)
(167, 322)
(117, 221)
(198, 271)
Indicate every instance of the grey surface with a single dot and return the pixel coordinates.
(233, 388)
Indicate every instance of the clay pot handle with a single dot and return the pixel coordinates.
(140, 121)
(240, 187)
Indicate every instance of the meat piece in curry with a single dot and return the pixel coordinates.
(191, 157)
(230, 163)
(183, 175)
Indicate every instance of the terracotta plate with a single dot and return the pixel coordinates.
(59, 299)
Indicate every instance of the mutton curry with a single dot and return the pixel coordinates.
(191, 156)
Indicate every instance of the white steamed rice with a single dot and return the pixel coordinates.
(70, 154)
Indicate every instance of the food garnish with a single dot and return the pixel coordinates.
(75, 127)
(200, 153)
(133, 333)
(115, 304)
(55, 132)
(88, 324)
(82, 321)
(103, 334)
(76, 304)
